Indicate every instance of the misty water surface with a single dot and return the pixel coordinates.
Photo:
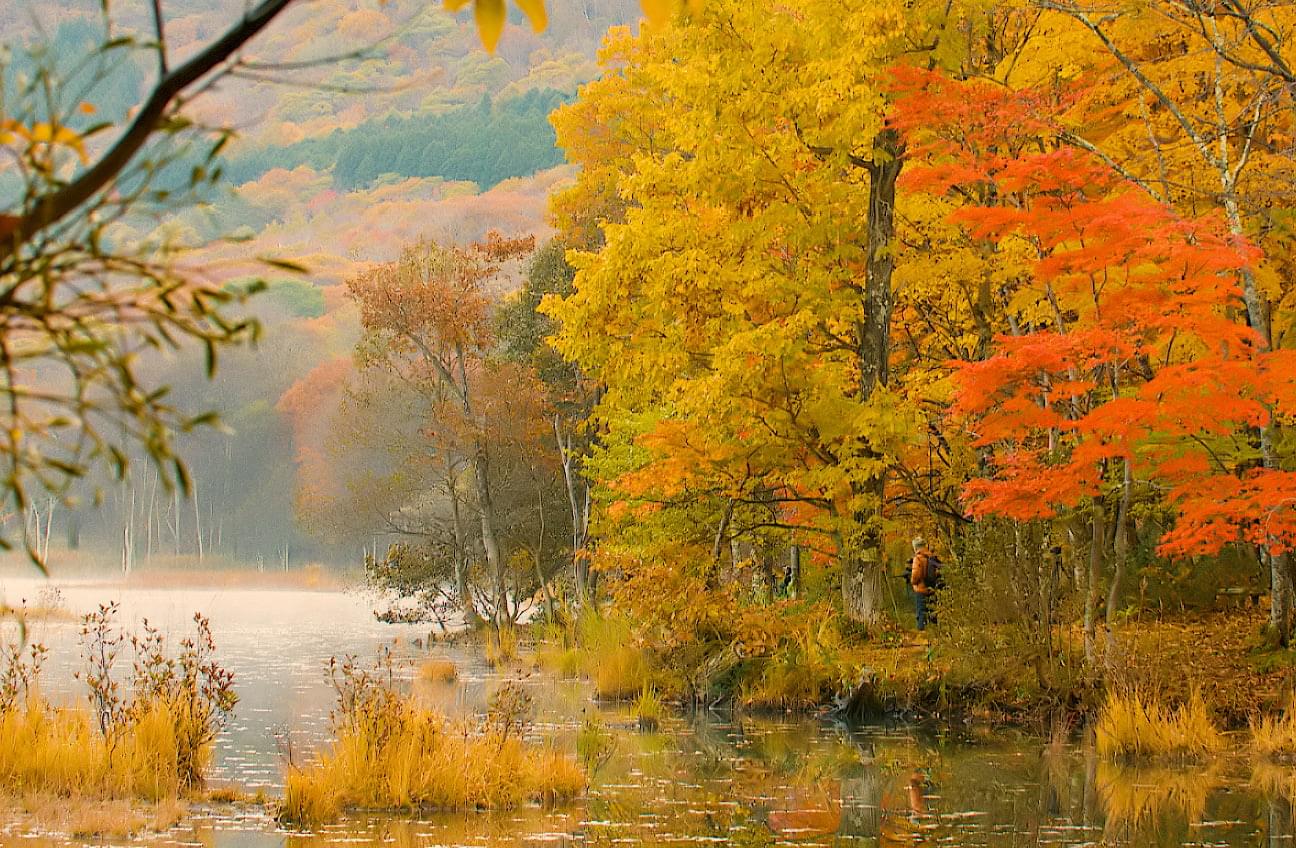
(708, 778)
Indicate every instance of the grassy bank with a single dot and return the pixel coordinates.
(1217, 658)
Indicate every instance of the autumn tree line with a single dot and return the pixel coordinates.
(1013, 276)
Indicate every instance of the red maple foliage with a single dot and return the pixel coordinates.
(1126, 346)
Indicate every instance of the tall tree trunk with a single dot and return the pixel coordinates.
(1120, 545)
(1258, 317)
(471, 617)
(1097, 545)
(485, 503)
(198, 533)
(579, 517)
(794, 566)
(537, 554)
(49, 523)
(490, 538)
(1120, 559)
(863, 563)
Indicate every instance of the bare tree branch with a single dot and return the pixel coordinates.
(52, 208)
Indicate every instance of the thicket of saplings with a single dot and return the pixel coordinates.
(391, 752)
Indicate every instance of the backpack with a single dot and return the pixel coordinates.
(932, 573)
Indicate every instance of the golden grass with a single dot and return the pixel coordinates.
(649, 709)
(61, 752)
(438, 670)
(1135, 725)
(403, 756)
(600, 648)
(554, 657)
(610, 658)
(1274, 737)
(620, 674)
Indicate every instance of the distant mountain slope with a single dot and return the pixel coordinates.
(486, 144)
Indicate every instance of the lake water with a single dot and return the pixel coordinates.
(705, 778)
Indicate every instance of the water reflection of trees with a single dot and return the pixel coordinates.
(753, 781)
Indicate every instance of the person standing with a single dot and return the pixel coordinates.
(924, 576)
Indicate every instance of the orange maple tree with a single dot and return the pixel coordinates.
(1125, 348)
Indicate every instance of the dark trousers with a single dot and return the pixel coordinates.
(920, 607)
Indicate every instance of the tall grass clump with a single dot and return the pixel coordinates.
(609, 656)
(501, 647)
(438, 670)
(1274, 737)
(556, 650)
(649, 709)
(1136, 725)
(146, 736)
(390, 753)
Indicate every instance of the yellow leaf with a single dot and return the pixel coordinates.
(535, 12)
(657, 11)
(456, 5)
(490, 21)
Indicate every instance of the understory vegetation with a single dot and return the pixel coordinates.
(392, 753)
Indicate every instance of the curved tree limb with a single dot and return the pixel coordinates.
(46, 211)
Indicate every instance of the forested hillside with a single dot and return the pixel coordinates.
(362, 126)
(485, 143)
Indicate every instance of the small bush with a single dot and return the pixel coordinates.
(1134, 725)
(438, 670)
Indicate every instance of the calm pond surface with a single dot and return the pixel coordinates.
(708, 778)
